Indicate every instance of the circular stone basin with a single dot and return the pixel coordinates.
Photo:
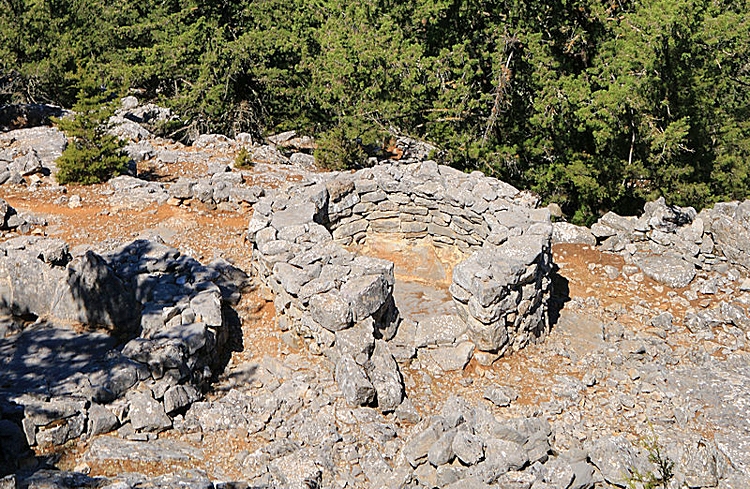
(322, 289)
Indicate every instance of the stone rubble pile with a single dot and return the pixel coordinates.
(29, 154)
(9, 218)
(671, 244)
(314, 440)
(167, 306)
(344, 302)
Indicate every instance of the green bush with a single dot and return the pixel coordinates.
(243, 159)
(92, 155)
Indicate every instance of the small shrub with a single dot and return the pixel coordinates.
(244, 159)
(663, 473)
(92, 155)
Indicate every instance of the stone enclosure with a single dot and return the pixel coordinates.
(60, 372)
(343, 303)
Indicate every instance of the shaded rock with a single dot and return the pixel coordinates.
(385, 377)
(179, 396)
(101, 420)
(353, 382)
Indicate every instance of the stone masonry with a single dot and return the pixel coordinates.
(343, 302)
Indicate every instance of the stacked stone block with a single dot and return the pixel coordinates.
(323, 290)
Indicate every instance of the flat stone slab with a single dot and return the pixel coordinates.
(110, 448)
(669, 270)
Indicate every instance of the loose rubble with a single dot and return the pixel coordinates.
(167, 307)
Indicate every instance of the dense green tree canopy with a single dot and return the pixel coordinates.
(594, 104)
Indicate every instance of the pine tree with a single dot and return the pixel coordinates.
(92, 155)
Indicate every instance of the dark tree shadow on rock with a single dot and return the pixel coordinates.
(559, 297)
(46, 361)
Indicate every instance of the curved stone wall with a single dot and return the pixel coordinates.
(322, 290)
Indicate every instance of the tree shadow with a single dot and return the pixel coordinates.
(49, 365)
(559, 297)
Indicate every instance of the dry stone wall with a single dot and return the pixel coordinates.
(168, 307)
(344, 302)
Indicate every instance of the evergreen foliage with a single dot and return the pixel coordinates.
(92, 155)
(595, 104)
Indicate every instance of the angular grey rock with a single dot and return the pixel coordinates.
(126, 129)
(353, 382)
(558, 473)
(450, 358)
(385, 377)
(182, 189)
(729, 224)
(469, 448)
(139, 151)
(62, 431)
(269, 155)
(418, 446)
(439, 330)
(366, 294)
(504, 455)
(697, 461)
(669, 270)
(441, 452)
(178, 397)
(583, 475)
(214, 141)
(27, 165)
(455, 411)
(615, 459)
(471, 483)
(207, 308)
(101, 420)
(500, 396)
(564, 232)
(94, 295)
(54, 479)
(611, 224)
(297, 470)
(407, 413)
(331, 311)
(146, 413)
(111, 448)
(303, 160)
(357, 342)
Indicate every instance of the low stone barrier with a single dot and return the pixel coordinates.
(167, 307)
(325, 292)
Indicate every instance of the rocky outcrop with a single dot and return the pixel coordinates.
(30, 154)
(167, 307)
(41, 278)
(670, 244)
